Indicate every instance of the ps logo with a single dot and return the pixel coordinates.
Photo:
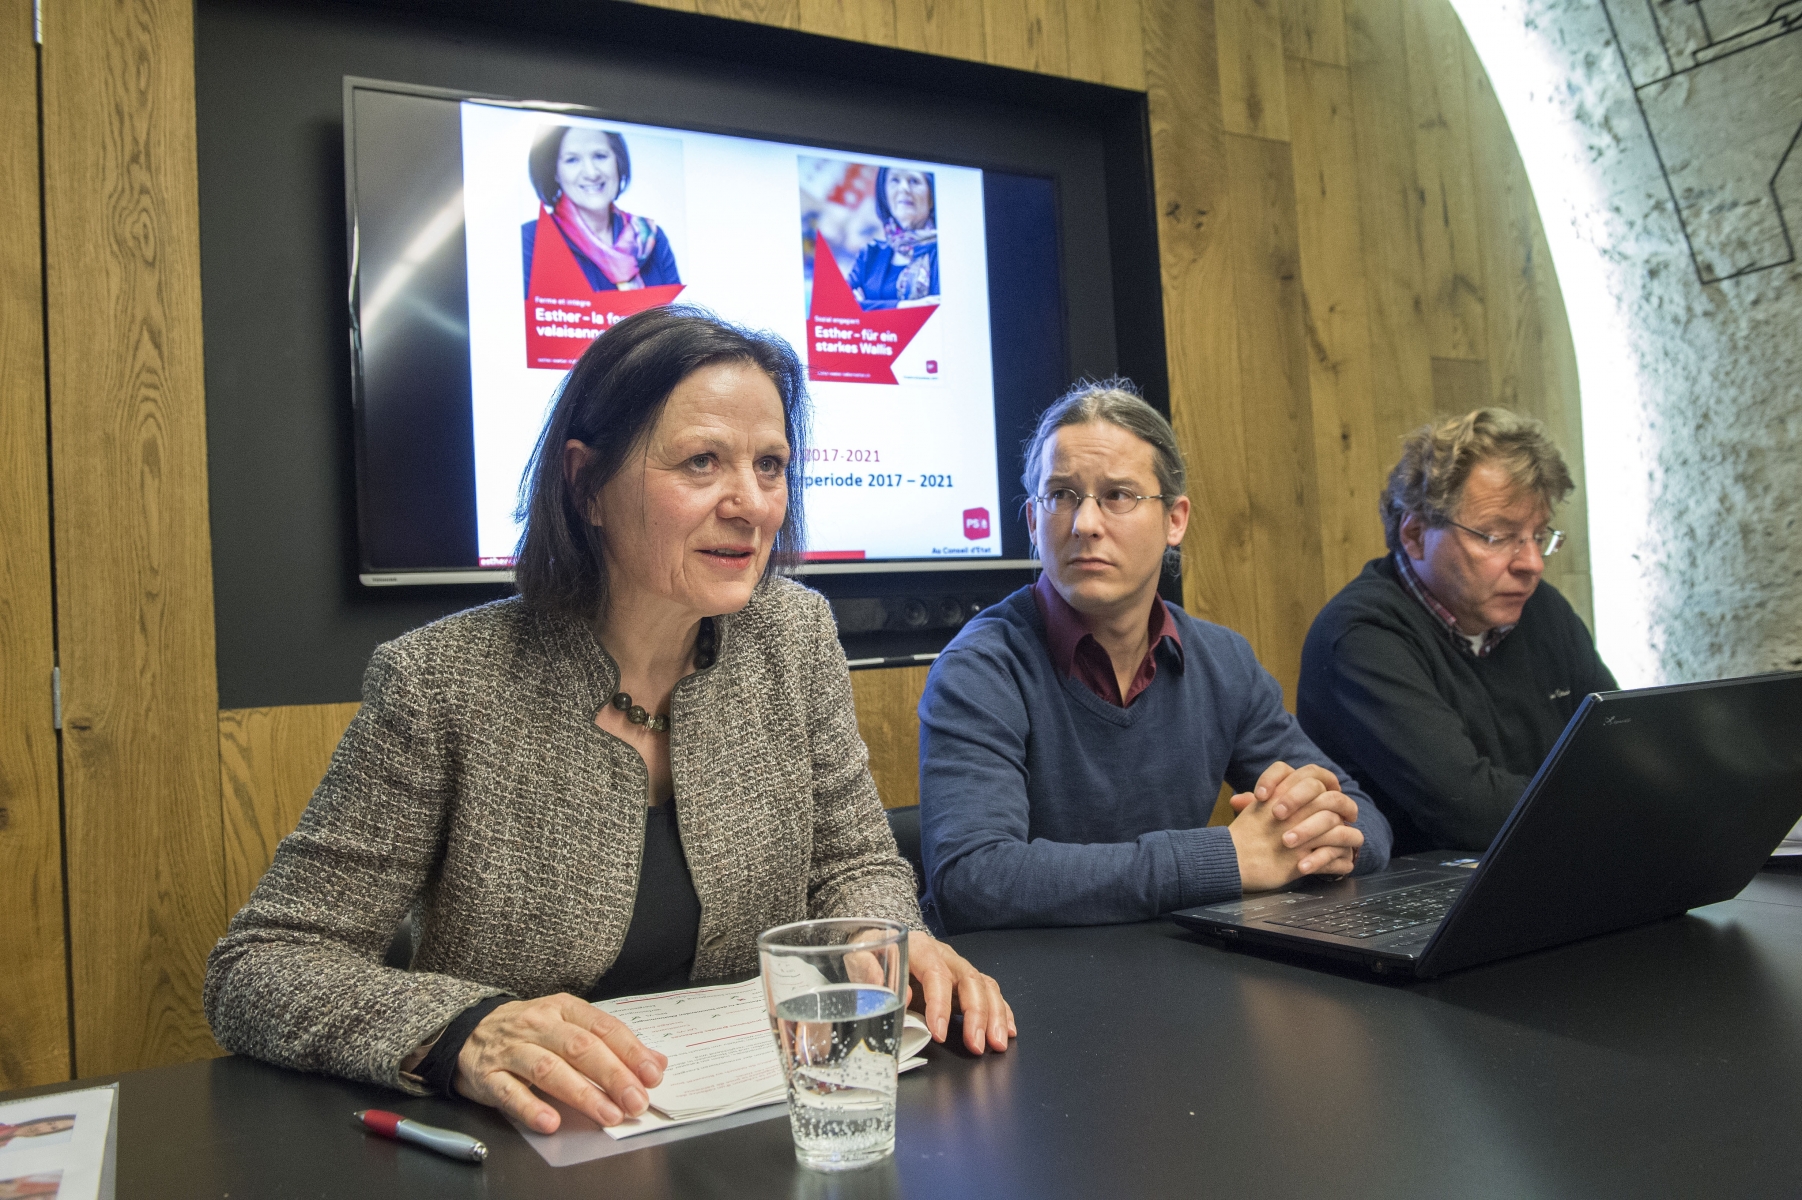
(976, 523)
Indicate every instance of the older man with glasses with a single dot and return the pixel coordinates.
(1074, 737)
(1442, 675)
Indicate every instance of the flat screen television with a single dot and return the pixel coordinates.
(491, 239)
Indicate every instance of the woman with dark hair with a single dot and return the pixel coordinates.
(903, 264)
(606, 785)
(579, 173)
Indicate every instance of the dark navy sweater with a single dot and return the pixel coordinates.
(1043, 804)
(1443, 741)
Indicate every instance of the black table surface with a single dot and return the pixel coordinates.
(1661, 1061)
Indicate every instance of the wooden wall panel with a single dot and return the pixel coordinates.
(1391, 202)
(1463, 303)
(134, 593)
(1275, 410)
(1348, 458)
(1460, 384)
(1452, 261)
(1105, 43)
(270, 760)
(1248, 39)
(34, 994)
(1314, 30)
(783, 13)
(1507, 220)
(950, 28)
(855, 20)
(888, 701)
(1028, 34)
(1200, 327)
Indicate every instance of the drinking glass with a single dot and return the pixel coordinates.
(835, 990)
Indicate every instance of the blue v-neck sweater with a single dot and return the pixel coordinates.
(1043, 804)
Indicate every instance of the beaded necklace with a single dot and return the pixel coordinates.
(705, 643)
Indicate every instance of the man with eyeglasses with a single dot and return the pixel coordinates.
(1074, 737)
(1442, 675)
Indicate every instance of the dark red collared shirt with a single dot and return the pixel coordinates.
(1077, 655)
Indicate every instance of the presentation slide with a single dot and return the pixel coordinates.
(573, 224)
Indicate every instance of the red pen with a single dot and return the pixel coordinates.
(447, 1142)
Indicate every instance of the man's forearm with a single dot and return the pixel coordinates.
(1012, 883)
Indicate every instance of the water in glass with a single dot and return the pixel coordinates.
(839, 1046)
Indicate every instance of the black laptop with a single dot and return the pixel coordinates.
(1653, 802)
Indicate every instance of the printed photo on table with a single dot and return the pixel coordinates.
(55, 1145)
(54, 1129)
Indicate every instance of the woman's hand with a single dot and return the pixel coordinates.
(564, 1047)
(947, 981)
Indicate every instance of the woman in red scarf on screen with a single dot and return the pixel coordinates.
(579, 172)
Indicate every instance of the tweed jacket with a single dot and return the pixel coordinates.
(474, 789)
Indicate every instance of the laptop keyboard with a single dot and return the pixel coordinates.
(1378, 915)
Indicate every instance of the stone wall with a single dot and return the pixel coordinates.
(1662, 142)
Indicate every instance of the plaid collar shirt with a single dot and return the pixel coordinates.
(1491, 637)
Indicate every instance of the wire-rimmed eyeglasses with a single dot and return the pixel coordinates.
(1548, 540)
(1116, 500)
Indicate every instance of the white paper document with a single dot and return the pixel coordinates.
(722, 1061)
(54, 1147)
(722, 1052)
(722, 1056)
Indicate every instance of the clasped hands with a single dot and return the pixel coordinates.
(566, 1048)
(1293, 822)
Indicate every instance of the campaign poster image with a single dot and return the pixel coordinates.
(894, 268)
(588, 261)
(571, 225)
(870, 259)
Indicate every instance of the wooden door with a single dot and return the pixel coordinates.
(34, 994)
(134, 584)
